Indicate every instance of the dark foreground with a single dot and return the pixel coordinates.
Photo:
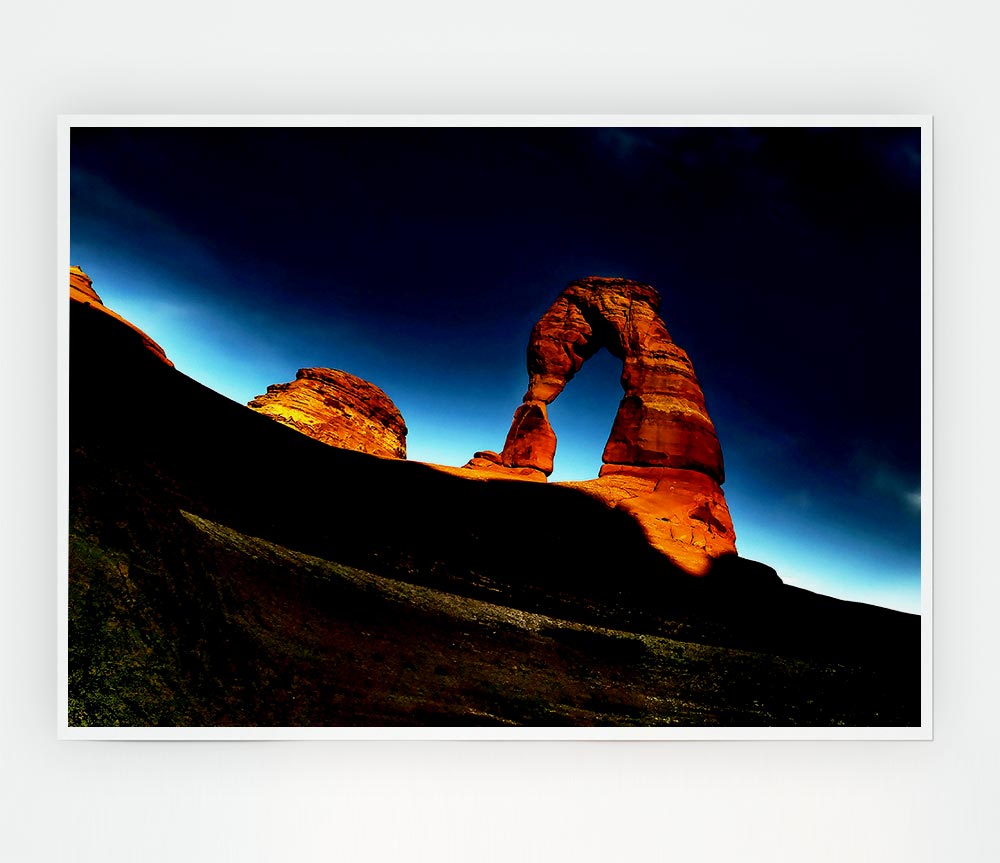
(225, 570)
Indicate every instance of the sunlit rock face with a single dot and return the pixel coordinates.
(81, 290)
(683, 513)
(662, 462)
(339, 409)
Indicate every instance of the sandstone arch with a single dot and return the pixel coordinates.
(663, 461)
(662, 420)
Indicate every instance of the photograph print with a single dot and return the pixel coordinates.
(505, 423)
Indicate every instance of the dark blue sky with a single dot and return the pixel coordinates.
(788, 260)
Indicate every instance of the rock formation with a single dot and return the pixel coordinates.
(81, 290)
(338, 409)
(662, 462)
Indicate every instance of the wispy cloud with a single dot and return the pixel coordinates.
(625, 143)
(104, 215)
(885, 479)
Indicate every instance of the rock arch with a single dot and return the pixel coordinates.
(662, 420)
(663, 461)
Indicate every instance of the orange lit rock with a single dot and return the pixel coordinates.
(339, 409)
(81, 287)
(483, 469)
(662, 419)
(489, 465)
(683, 513)
(530, 443)
(81, 290)
(662, 462)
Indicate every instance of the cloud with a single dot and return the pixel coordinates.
(893, 483)
(801, 499)
(882, 478)
(104, 217)
(625, 143)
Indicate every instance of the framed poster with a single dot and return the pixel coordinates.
(314, 487)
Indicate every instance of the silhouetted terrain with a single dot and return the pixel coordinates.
(226, 570)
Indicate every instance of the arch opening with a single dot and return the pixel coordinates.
(582, 415)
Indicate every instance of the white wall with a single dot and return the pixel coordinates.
(109, 802)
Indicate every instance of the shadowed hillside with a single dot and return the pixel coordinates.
(227, 570)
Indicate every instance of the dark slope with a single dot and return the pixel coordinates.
(226, 570)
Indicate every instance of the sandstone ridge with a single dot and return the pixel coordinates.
(663, 461)
(81, 290)
(339, 409)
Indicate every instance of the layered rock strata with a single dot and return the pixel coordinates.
(339, 409)
(662, 462)
(81, 290)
